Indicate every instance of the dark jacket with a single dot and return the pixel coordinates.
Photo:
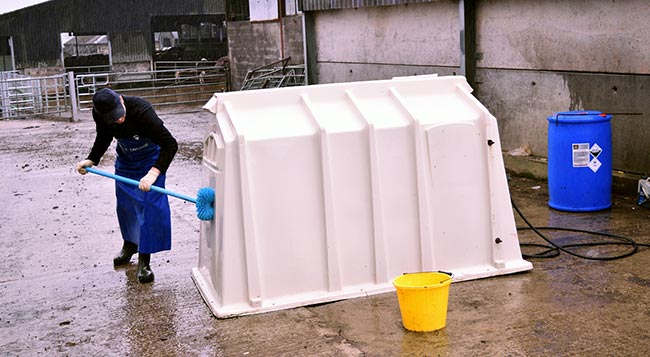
(141, 120)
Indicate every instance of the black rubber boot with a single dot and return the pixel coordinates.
(145, 274)
(125, 254)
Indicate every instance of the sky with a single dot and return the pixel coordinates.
(11, 5)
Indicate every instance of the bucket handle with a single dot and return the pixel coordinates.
(447, 273)
(438, 271)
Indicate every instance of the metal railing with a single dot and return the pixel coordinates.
(183, 85)
(192, 72)
(24, 96)
(180, 86)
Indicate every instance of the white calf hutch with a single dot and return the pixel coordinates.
(328, 192)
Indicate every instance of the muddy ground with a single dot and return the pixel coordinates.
(61, 295)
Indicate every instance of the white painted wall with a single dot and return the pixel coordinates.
(262, 10)
(267, 10)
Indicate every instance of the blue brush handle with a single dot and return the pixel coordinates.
(136, 183)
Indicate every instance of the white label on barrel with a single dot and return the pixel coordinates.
(581, 155)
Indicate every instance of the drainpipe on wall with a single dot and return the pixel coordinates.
(309, 46)
(280, 12)
(467, 22)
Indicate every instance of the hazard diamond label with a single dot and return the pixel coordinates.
(595, 150)
(595, 164)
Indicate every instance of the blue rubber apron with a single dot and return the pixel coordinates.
(144, 217)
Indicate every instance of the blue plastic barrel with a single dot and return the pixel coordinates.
(580, 161)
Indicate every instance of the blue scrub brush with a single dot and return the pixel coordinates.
(204, 200)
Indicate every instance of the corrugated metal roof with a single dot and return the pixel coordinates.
(316, 5)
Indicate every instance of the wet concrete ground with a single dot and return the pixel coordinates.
(61, 295)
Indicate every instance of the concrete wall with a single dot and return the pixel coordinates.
(387, 41)
(533, 59)
(565, 55)
(255, 44)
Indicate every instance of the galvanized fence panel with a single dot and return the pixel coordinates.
(24, 96)
(175, 86)
(275, 75)
(183, 88)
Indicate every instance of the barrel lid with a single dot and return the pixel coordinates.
(579, 116)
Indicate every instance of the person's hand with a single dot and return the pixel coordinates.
(149, 179)
(81, 166)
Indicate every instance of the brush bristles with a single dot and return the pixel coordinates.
(205, 204)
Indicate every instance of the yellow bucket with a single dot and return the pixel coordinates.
(423, 300)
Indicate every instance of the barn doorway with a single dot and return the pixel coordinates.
(86, 53)
(6, 54)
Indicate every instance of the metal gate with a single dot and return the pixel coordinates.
(185, 87)
(24, 96)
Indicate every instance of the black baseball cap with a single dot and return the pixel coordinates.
(106, 103)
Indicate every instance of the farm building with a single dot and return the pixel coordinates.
(525, 61)
(92, 36)
(119, 35)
